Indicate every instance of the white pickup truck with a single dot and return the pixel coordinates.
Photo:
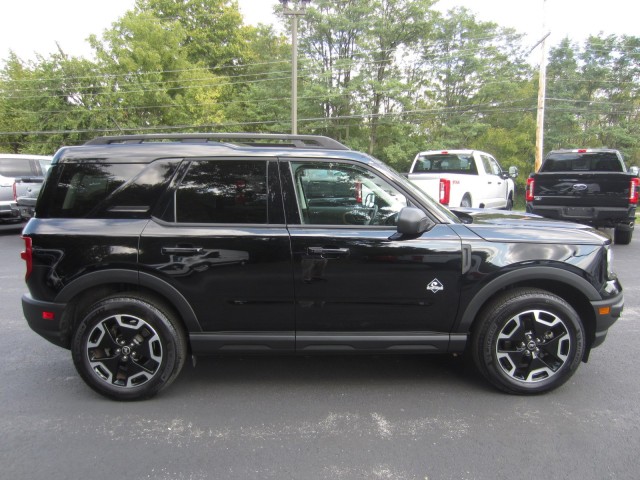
(465, 178)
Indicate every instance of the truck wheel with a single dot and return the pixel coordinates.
(509, 203)
(466, 201)
(128, 348)
(528, 341)
(622, 237)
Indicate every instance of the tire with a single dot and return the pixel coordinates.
(466, 201)
(622, 237)
(128, 347)
(509, 205)
(528, 341)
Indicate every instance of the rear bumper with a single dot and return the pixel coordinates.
(46, 319)
(8, 212)
(596, 216)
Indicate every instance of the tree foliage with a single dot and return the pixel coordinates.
(389, 77)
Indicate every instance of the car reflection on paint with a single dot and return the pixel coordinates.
(182, 265)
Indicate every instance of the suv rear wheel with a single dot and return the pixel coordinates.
(127, 348)
(528, 341)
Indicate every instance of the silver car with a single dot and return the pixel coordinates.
(29, 169)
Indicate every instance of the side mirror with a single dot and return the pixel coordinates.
(513, 172)
(413, 222)
(634, 170)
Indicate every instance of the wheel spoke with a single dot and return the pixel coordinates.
(124, 351)
(533, 346)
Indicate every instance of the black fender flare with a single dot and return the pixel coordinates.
(150, 282)
(468, 315)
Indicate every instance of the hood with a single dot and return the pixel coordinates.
(502, 225)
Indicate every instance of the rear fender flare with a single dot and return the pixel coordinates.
(150, 282)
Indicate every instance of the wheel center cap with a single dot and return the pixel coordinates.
(531, 345)
(126, 350)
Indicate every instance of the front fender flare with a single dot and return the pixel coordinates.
(468, 315)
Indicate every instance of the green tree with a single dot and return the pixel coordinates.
(49, 103)
(151, 81)
(213, 30)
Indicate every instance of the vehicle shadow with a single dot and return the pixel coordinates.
(341, 371)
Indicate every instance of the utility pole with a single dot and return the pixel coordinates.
(295, 12)
(542, 87)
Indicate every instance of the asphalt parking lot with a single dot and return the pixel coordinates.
(401, 417)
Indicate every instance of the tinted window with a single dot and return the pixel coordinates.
(16, 167)
(590, 161)
(105, 190)
(344, 194)
(223, 191)
(446, 163)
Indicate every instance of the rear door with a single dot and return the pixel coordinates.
(221, 241)
(357, 286)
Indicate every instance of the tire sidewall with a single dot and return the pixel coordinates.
(137, 308)
(503, 313)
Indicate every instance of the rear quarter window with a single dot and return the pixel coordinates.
(103, 190)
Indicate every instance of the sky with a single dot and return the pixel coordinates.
(34, 26)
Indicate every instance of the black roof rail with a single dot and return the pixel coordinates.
(250, 139)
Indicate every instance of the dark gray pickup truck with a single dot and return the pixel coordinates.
(590, 186)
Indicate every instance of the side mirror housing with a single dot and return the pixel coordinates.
(513, 172)
(413, 222)
(634, 170)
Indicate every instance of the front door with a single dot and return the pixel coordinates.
(358, 287)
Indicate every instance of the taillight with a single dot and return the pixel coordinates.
(15, 193)
(633, 190)
(358, 192)
(27, 256)
(445, 191)
(529, 194)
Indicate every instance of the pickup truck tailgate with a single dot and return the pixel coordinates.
(582, 189)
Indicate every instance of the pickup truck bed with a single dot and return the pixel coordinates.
(465, 178)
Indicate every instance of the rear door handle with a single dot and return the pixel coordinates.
(336, 252)
(182, 250)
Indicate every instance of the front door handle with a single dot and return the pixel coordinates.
(336, 252)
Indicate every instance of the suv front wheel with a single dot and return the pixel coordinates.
(127, 348)
(528, 341)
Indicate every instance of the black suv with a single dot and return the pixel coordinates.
(147, 249)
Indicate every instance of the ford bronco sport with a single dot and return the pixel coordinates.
(147, 249)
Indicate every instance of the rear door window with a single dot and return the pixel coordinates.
(222, 191)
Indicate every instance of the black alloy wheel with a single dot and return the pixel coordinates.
(128, 348)
(528, 341)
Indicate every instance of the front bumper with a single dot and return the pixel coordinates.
(606, 313)
(46, 319)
